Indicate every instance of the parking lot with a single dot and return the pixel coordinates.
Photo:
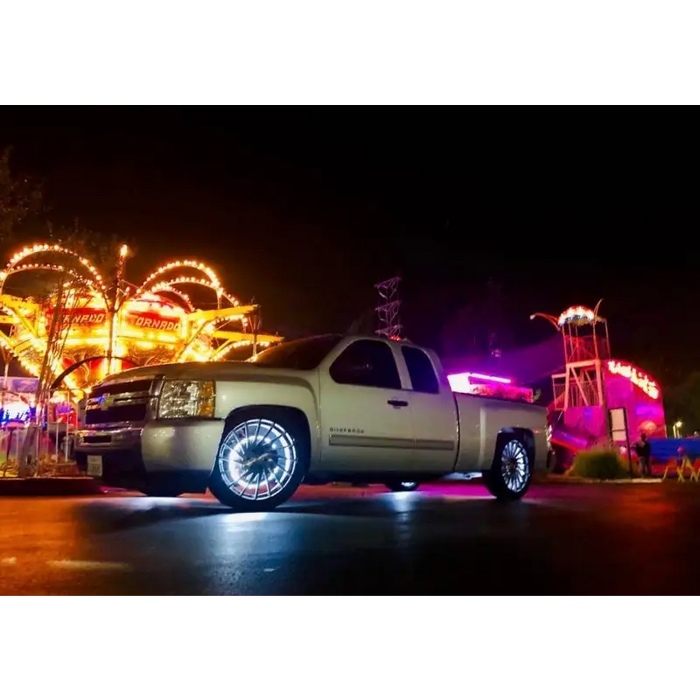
(443, 539)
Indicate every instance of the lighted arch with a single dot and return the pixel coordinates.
(45, 267)
(165, 285)
(60, 250)
(177, 292)
(186, 264)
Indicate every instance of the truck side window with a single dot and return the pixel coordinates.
(420, 369)
(366, 363)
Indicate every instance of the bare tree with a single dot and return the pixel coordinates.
(20, 199)
(101, 249)
(70, 295)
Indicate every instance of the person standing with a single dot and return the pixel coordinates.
(643, 450)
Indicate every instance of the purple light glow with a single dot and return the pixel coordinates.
(488, 385)
(462, 383)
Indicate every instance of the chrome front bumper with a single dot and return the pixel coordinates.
(157, 446)
(108, 439)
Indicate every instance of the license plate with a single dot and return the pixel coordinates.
(94, 465)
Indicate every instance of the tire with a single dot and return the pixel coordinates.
(399, 486)
(277, 442)
(557, 460)
(510, 476)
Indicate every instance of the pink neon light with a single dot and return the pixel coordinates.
(463, 384)
(487, 385)
(489, 378)
(460, 383)
(636, 376)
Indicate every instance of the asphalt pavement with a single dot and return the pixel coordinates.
(442, 539)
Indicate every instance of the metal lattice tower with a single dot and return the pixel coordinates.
(389, 307)
(586, 349)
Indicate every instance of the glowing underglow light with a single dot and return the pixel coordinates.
(636, 376)
(577, 313)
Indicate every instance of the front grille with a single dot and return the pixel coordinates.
(130, 413)
(142, 385)
(121, 402)
(97, 439)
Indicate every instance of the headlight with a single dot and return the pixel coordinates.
(185, 398)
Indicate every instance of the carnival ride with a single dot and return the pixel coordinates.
(585, 382)
(593, 382)
(85, 326)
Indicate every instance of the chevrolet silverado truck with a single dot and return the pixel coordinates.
(322, 409)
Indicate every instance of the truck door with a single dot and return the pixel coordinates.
(433, 412)
(365, 412)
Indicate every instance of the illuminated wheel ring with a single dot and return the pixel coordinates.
(258, 459)
(515, 466)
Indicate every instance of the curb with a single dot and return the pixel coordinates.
(581, 480)
(50, 486)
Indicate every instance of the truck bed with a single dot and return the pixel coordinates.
(482, 419)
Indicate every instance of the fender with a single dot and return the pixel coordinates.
(295, 392)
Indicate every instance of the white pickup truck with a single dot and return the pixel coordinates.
(328, 408)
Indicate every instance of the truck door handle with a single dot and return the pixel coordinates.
(397, 403)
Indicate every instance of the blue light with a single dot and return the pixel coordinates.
(15, 412)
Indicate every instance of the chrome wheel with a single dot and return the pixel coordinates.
(515, 466)
(257, 459)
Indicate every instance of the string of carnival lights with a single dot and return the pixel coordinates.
(108, 325)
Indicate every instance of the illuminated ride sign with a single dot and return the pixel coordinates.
(636, 376)
(152, 313)
(83, 317)
(156, 315)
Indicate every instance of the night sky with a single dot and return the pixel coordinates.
(306, 210)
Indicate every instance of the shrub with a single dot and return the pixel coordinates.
(599, 463)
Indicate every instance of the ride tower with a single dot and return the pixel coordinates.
(586, 355)
(592, 383)
(389, 308)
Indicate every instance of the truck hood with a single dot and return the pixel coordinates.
(216, 371)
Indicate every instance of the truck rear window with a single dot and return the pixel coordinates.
(421, 371)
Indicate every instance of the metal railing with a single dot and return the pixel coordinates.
(49, 454)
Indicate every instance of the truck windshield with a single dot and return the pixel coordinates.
(298, 354)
